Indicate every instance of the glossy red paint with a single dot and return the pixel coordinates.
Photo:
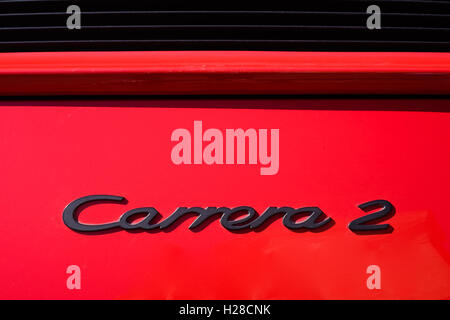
(334, 154)
(223, 72)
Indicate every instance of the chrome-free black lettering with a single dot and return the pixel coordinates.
(71, 220)
(313, 213)
(363, 223)
(315, 218)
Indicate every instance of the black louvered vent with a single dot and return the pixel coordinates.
(300, 25)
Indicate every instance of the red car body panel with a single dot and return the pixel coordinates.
(223, 72)
(334, 153)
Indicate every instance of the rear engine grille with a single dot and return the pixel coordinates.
(406, 25)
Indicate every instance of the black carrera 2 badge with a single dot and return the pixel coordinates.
(230, 218)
